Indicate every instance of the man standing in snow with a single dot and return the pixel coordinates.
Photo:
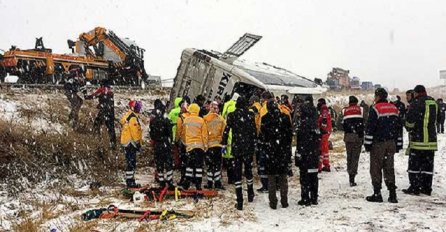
(383, 130)
(276, 135)
(242, 124)
(324, 124)
(308, 138)
(161, 135)
(131, 140)
(441, 116)
(106, 112)
(353, 125)
(74, 84)
(420, 123)
(365, 110)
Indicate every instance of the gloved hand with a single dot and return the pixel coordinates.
(368, 147)
(298, 159)
(223, 149)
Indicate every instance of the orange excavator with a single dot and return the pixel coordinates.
(99, 53)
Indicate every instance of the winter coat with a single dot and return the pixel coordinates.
(131, 132)
(174, 114)
(324, 120)
(242, 124)
(276, 136)
(353, 120)
(228, 107)
(441, 112)
(195, 130)
(180, 136)
(308, 136)
(216, 126)
(420, 122)
(106, 101)
(383, 124)
(401, 108)
(160, 128)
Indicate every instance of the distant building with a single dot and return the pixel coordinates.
(377, 86)
(338, 79)
(367, 85)
(355, 83)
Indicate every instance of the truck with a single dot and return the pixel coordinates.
(211, 74)
(99, 54)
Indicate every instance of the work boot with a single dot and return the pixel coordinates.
(375, 197)
(304, 202)
(239, 205)
(285, 205)
(392, 196)
(209, 185)
(250, 193)
(412, 191)
(426, 192)
(219, 186)
(272, 205)
(264, 188)
(352, 180)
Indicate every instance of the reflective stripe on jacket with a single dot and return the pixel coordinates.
(131, 132)
(195, 133)
(216, 126)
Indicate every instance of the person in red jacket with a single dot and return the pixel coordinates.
(324, 124)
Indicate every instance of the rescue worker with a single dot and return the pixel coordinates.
(383, 130)
(173, 116)
(161, 135)
(410, 97)
(353, 126)
(441, 116)
(216, 126)
(262, 152)
(106, 112)
(195, 139)
(180, 138)
(228, 158)
(420, 122)
(242, 124)
(308, 138)
(401, 107)
(285, 106)
(324, 124)
(200, 101)
(131, 140)
(365, 110)
(276, 134)
(74, 84)
(255, 106)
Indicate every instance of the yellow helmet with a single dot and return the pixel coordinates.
(193, 108)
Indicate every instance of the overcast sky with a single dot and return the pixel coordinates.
(398, 43)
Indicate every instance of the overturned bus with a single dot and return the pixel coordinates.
(211, 73)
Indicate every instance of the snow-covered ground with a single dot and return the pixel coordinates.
(341, 207)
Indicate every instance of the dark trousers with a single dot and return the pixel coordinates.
(309, 184)
(107, 118)
(183, 158)
(421, 169)
(440, 125)
(228, 163)
(130, 157)
(281, 182)
(194, 167)
(213, 163)
(75, 106)
(163, 161)
(243, 161)
(381, 161)
(353, 150)
(261, 169)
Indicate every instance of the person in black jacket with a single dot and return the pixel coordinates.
(161, 135)
(276, 135)
(381, 140)
(441, 115)
(242, 124)
(308, 138)
(106, 112)
(72, 86)
(420, 122)
(401, 107)
(353, 125)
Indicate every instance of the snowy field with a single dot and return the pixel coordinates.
(341, 207)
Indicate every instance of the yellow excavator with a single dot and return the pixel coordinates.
(99, 53)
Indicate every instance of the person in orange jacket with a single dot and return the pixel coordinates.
(195, 134)
(324, 124)
(131, 140)
(216, 126)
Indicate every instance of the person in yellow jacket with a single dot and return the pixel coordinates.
(216, 126)
(228, 159)
(131, 140)
(195, 134)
